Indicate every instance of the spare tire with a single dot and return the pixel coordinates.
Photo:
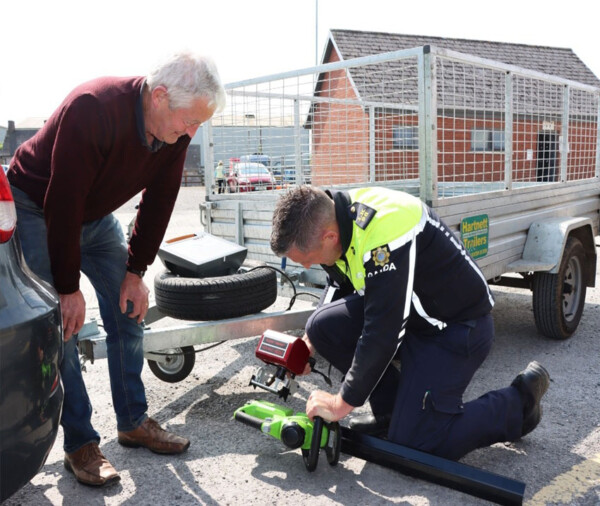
(250, 290)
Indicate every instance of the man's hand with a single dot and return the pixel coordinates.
(134, 289)
(329, 407)
(72, 307)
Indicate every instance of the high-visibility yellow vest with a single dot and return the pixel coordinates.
(381, 217)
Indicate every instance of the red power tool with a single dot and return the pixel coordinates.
(289, 356)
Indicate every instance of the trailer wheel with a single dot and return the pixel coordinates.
(177, 365)
(245, 292)
(558, 299)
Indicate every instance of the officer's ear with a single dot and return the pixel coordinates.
(330, 236)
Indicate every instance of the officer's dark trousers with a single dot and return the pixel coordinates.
(425, 396)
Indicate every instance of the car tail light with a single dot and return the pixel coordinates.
(55, 383)
(8, 214)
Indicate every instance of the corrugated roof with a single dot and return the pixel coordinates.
(561, 62)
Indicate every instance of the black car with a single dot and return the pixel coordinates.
(31, 337)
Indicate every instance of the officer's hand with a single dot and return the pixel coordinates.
(72, 308)
(329, 407)
(135, 290)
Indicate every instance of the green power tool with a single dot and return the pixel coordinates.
(295, 430)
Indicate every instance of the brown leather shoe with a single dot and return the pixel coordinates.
(90, 467)
(150, 435)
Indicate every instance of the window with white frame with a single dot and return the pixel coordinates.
(487, 140)
(405, 137)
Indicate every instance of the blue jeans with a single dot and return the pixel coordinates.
(103, 261)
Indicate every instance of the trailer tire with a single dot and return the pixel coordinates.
(177, 366)
(558, 299)
(248, 291)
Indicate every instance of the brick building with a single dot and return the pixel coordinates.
(368, 116)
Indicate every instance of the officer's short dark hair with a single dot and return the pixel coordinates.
(299, 216)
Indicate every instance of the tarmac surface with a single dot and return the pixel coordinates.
(229, 463)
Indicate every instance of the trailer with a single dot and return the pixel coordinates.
(507, 156)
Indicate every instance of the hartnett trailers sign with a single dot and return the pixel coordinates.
(474, 233)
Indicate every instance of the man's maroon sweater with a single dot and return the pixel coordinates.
(88, 160)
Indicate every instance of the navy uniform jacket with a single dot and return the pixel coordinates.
(414, 274)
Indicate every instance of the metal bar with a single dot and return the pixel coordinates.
(319, 100)
(209, 161)
(427, 122)
(514, 69)
(204, 332)
(297, 147)
(239, 223)
(372, 169)
(508, 131)
(329, 67)
(448, 473)
(92, 339)
(564, 142)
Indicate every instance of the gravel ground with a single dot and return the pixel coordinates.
(229, 463)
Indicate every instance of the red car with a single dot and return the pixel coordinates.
(249, 176)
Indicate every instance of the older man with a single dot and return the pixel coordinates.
(402, 285)
(110, 139)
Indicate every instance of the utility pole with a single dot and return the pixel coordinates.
(316, 32)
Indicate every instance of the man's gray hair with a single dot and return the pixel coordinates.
(187, 77)
(299, 217)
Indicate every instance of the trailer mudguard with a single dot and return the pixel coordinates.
(546, 241)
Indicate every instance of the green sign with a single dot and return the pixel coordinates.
(474, 233)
